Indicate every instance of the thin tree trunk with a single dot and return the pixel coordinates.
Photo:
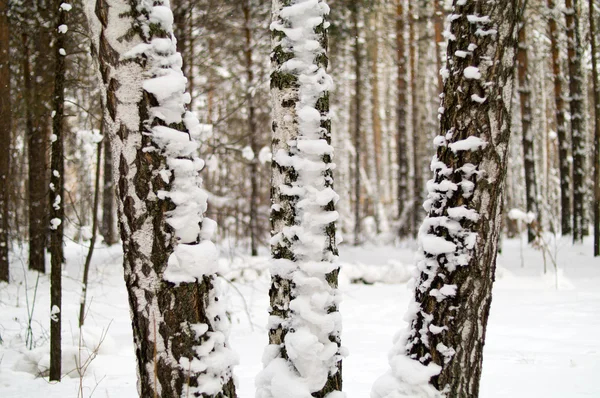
(5, 137)
(417, 142)
(561, 129)
(57, 212)
(438, 20)
(593, 35)
(357, 123)
(252, 130)
(401, 106)
(526, 131)
(180, 326)
(90, 253)
(375, 117)
(442, 353)
(304, 333)
(578, 130)
(108, 196)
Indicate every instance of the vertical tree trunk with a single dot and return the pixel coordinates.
(561, 129)
(57, 212)
(5, 137)
(37, 146)
(108, 195)
(401, 106)
(90, 253)
(179, 323)
(376, 174)
(442, 353)
(526, 131)
(357, 123)
(252, 130)
(593, 35)
(578, 129)
(304, 333)
(417, 141)
(438, 21)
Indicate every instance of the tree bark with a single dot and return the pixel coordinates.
(459, 238)
(179, 323)
(578, 128)
(56, 197)
(526, 131)
(5, 137)
(303, 245)
(561, 129)
(593, 35)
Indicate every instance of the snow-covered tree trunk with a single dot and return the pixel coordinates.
(179, 322)
(578, 125)
(526, 130)
(5, 136)
(57, 184)
(303, 358)
(441, 354)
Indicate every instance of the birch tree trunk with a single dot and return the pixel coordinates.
(578, 128)
(179, 322)
(441, 354)
(304, 356)
(5, 137)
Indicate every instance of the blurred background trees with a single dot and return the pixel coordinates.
(385, 60)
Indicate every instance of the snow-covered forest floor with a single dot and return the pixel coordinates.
(541, 341)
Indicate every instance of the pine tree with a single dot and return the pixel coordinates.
(441, 355)
(304, 354)
(179, 321)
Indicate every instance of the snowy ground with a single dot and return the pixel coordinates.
(542, 341)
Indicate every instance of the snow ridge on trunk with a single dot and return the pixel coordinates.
(180, 325)
(441, 352)
(304, 355)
